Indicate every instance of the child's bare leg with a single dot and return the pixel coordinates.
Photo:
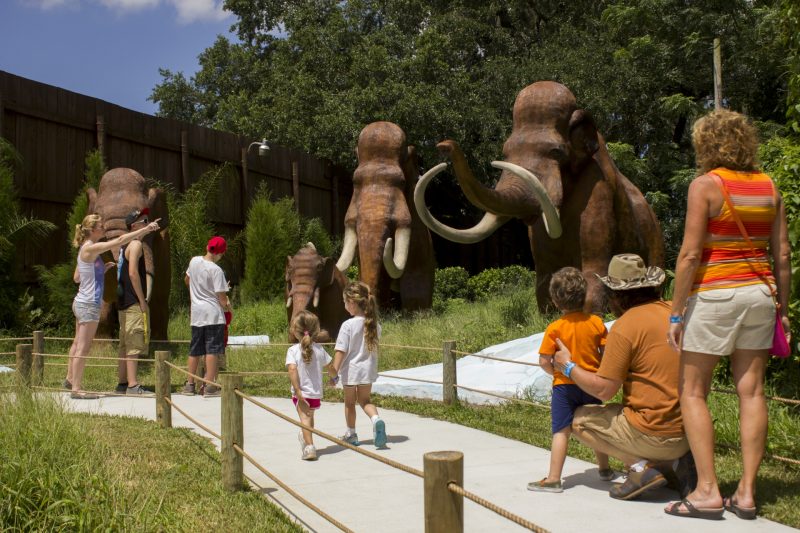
(602, 460)
(350, 405)
(365, 401)
(307, 418)
(558, 454)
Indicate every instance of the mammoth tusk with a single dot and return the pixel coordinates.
(310, 244)
(552, 223)
(289, 302)
(488, 224)
(316, 298)
(348, 249)
(395, 259)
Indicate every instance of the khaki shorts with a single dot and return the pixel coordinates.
(720, 321)
(608, 423)
(132, 334)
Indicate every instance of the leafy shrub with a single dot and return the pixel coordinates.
(272, 233)
(95, 168)
(516, 311)
(450, 282)
(493, 281)
(352, 273)
(189, 228)
(314, 231)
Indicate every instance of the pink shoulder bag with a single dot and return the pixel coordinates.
(780, 346)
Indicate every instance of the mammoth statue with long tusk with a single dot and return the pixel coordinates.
(395, 253)
(558, 178)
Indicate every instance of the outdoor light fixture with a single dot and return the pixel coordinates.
(263, 147)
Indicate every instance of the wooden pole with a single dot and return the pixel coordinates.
(449, 378)
(184, 160)
(101, 137)
(37, 365)
(444, 510)
(717, 73)
(232, 431)
(24, 364)
(163, 390)
(296, 185)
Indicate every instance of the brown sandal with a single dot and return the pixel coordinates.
(714, 513)
(745, 513)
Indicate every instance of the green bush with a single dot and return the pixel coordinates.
(494, 281)
(450, 282)
(314, 231)
(95, 168)
(272, 233)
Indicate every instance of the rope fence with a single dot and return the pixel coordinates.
(457, 489)
(195, 376)
(193, 420)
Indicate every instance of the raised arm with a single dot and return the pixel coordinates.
(89, 252)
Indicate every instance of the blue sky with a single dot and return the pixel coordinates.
(108, 49)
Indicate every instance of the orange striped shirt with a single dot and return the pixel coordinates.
(727, 259)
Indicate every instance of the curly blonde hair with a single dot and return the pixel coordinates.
(727, 139)
(305, 328)
(359, 293)
(568, 289)
(83, 229)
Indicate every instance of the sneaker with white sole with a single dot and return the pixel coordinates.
(350, 438)
(121, 388)
(188, 389)
(379, 431)
(212, 391)
(544, 486)
(309, 453)
(136, 390)
(606, 474)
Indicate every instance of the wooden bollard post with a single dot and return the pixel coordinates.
(163, 390)
(24, 364)
(232, 431)
(449, 378)
(444, 510)
(37, 368)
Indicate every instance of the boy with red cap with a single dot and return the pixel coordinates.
(208, 290)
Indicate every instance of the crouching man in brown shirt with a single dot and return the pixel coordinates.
(646, 431)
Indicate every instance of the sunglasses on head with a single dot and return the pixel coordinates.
(145, 220)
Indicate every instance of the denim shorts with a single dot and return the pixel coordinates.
(720, 321)
(208, 340)
(565, 400)
(85, 312)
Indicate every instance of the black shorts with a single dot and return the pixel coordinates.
(207, 340)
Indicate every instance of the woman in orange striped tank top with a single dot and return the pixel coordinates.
(722, 304)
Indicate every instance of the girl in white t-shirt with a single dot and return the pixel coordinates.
(356, 360)
(305, 362)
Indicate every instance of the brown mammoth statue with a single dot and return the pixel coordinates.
(395, 253)
(314, 283)
(121, 191)
(558, 178)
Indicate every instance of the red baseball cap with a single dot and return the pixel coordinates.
(217, 245)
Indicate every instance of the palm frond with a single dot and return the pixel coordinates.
(31, 229)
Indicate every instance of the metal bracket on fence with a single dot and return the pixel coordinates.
(163, 390)
(232, 431)
(444, 510)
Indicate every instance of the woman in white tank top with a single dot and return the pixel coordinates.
(89, 273)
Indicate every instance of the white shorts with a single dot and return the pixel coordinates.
(85, 312)
(720, 321)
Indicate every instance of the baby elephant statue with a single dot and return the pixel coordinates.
(313, 283)
(121, 191)
(558, 178)
(395, 252)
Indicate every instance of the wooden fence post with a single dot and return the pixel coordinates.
(232, 431)
(444, 510)
(449, 378)
(163, 390)
(24, 364)
(37, 365)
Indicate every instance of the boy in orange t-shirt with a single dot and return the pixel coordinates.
(585, 336)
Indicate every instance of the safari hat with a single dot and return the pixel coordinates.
(628, 271)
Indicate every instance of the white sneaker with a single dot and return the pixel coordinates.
(309, 453)
(302, 441)
(350, 438)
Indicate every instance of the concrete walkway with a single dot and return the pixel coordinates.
(366, 495)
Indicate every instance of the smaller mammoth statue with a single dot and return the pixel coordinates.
(121, 191)
(313, 283)
(395, 252)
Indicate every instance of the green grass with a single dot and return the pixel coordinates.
(473, 326)
(62, 471)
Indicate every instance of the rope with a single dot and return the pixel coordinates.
(266, 373)
(389, 462)
(192, 420)
(767, 455)
(63, 356)
(505, 360)
(10, 339)
(789, 401)
(72, 339)
(195, 376)
(454, 487)
(297, 496)
(8, 353)
(427, 348)
(104, 394)
(409, 379)
(85, 366)
(510, 398)
(10, 365)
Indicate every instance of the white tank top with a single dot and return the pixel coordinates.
(92, 276)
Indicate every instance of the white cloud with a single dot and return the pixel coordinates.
(129, 5)
(197, 10)
(50, 4)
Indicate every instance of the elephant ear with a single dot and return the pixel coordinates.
(582, 138)
(157, 203)
(91, 195)
(328, 272)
